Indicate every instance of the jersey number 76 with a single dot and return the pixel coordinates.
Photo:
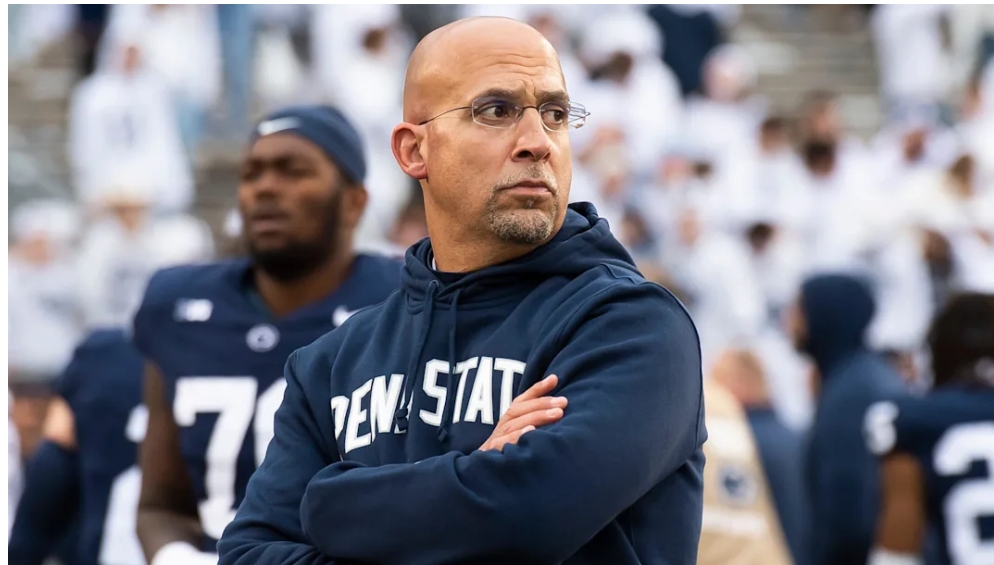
(235, 401)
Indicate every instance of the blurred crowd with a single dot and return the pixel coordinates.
(727, 204)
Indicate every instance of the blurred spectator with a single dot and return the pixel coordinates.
(685, 179)
(952, 203)
(122, 116)
(971, 40)
(713, 273)
(692, 32)
(761, 199)
(777, 261)
(913, 150)
(122, 249)
(361, 55)
(822, 121)
(915, 70)
(778, 179)
(43, 313)
(836, 208)
(955, 216)
(829, 324)
(781, 449)
(724, 121)
(634, 95)
(903, 291)
(975, 127)
(181, 44)
(283, 66)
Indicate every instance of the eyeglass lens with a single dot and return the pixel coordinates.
(500, 113)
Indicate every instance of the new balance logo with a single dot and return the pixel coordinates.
(193, 310)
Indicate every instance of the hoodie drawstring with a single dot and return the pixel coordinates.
(401, 415)
(443, 430)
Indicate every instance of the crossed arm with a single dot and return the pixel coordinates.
(530, 410)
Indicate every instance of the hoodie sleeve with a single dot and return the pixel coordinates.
(266, 529)
(632, 374)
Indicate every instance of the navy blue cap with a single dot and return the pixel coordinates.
(327, 128)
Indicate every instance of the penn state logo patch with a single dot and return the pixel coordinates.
(262, 338)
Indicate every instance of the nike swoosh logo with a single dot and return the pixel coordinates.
(340, 315)
(277, 125)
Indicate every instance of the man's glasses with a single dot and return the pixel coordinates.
(502, 114)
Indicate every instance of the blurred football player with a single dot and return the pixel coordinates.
(829, 324)
(937, 451)
(81, 485)
(216, 337)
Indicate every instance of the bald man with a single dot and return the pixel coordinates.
(526, 396)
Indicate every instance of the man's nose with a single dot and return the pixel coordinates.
(267, 183)
(534, 141)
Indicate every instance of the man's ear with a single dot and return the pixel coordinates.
(407, 151)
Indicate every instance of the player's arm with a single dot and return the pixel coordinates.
(632, 377)
(50, 499)
(901, 526)
(168, 522)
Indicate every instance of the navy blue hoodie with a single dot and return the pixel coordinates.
(842, 475)
(375, 457)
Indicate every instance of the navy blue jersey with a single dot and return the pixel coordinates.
(951, 434)
(103, 387)
(222, 354)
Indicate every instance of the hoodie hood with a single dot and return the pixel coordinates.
(584, 242)
(837, 310)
